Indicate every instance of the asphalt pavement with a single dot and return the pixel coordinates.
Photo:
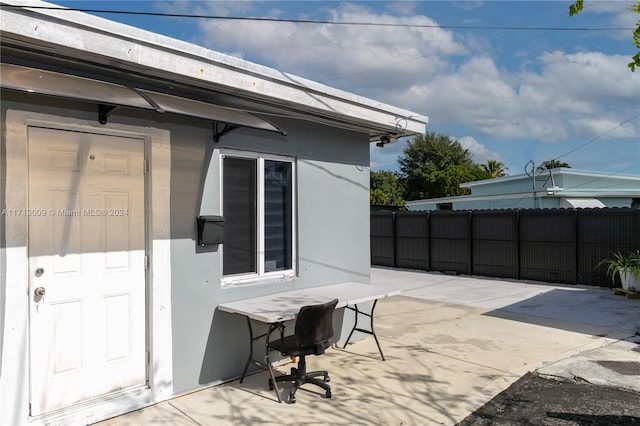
(539, 400)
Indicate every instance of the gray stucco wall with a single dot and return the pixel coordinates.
(210, 346)
(332, 238)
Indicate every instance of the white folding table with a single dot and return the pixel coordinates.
(275, 309)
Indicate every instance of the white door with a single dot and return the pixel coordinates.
(86, 266)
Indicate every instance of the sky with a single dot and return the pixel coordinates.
(514, 94)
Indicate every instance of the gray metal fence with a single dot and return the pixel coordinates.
(552, 245)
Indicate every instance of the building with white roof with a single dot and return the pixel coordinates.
(556, 188)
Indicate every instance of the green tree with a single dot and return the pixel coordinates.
(494, 168)
(553, 164)
(385, 189)
(446, 183)
(427, 171)
(576, 7)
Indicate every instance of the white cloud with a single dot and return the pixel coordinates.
(213, 8)
(555, 96)
(588, 76)
(402, 7)
(371, 60)
(605, 128)
(570, 91)
(479, 153)
(469, 5)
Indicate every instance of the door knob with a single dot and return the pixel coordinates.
(40, 292)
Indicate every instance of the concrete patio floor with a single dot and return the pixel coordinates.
(451, 344)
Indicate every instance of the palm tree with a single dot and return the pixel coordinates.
(495, 168)
(553, 164)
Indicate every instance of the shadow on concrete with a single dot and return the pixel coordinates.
(589, 311)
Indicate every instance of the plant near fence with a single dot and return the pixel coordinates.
(626, 266)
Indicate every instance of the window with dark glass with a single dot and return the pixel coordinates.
(257, 200)
(240, 211)
(277, 215)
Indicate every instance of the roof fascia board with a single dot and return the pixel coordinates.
(128, 46)
(601, 175)
(557, 173)
(600, 192)
(460, 198)
(494, 181)
(528, 194)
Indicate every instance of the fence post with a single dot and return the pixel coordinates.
(429, 243)
(470, 227)
(637, 243)
(518, 244)
(575, 246)
(394, 234)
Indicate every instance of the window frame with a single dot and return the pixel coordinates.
(261, 275)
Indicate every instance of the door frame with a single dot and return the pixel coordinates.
(14, 366)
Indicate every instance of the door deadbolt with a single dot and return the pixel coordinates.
(38, 272)
(40, 292)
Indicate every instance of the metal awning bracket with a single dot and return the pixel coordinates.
(104, 111)
(220, 130)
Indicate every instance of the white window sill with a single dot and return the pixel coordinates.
(268, 278)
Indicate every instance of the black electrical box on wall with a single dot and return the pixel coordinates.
(210, 230)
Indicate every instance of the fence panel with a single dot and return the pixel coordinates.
(548, 245)
(382, 238)
(599, 233)
(551, 245)
(450, 241)
(495, 243)
(412, 240)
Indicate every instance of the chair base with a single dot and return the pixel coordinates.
(299, 376)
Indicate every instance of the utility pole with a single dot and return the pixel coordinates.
(532, 175)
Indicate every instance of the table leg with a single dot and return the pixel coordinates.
(358, 312)
(250, 357)
(267, 360)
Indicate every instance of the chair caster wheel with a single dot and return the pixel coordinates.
(270, 384)
(328, 395)
(292, 399)
(327, 379)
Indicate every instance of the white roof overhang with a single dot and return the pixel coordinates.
(100, 43)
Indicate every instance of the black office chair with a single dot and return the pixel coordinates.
(313, 329)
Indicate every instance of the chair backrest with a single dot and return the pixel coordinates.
(314, 325)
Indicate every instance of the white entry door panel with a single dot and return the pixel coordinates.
(86, 266)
